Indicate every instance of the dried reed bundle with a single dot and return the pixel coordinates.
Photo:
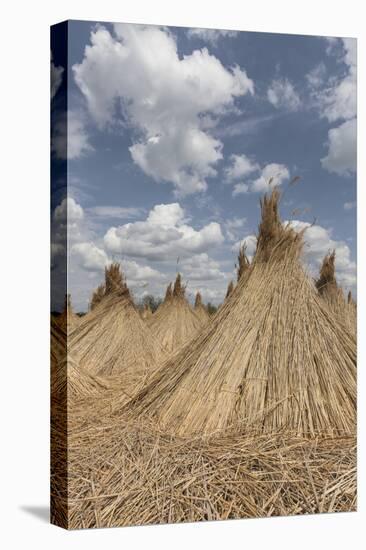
(113, 340)
(97, 296)
(333, 295)
(123, 474)
(68, 320)
(114, 280)
(146, 312)
(229, 290)
(273, 357)
(58, 343)
(175, 323)
(243, 262)
(200, 309)
(352, 311)
(69, 381)
(168, 293)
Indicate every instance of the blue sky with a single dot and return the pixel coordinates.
(173, 135)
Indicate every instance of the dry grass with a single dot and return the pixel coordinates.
(175, 322)
(131, 474)
(200, 309)
(273, 357)
(68, 320)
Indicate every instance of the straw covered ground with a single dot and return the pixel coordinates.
(129, 473)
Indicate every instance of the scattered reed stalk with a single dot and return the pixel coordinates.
(131, 474)
(243, 262)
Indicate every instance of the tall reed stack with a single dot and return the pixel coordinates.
(113, 340)
(175, 322)
(274, 357)
(333, 295)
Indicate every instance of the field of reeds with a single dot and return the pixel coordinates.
(179, 415)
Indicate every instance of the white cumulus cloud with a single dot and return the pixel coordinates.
(210, 35)
(283, 95)
(350, 205)
(240, 166)
(121, 72)
(316, 76)
(240, 189)
(56, 78)
(90, 256)
(68, 210)
(201, 267)
(70, 139)
(342, 149)
(278, 173)
(338, 102)
(164, 235)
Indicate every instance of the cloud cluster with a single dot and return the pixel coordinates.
(350, 205)
(338, 103)
(316, 77)
(68, 210)
(233, 227)
(201, 267)
(210, 35)
(90, 256)
(56, 77)
(93, 258)
(164, 235)
(70, 139)
(283, 95)
(342, 149)
(241, 167)
(121, 75)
